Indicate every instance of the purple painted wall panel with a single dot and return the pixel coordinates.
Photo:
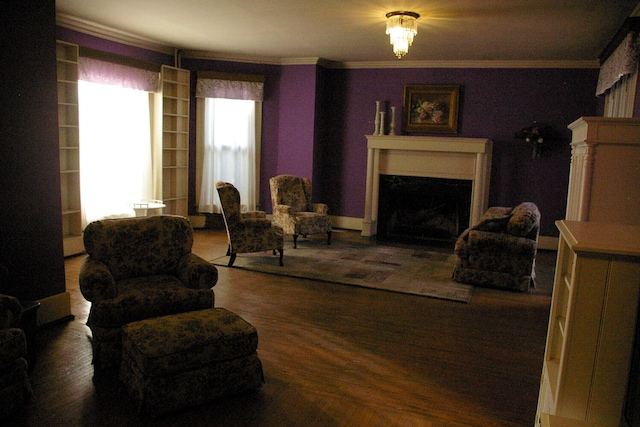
(297, 120)
(30, 218)
(93, 42)
(494, 103)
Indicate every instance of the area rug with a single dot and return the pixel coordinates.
(410, 271)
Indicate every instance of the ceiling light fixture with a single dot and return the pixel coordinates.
(402, 27)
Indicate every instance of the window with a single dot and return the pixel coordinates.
(229, 119)
(229, 151)
(115, 149)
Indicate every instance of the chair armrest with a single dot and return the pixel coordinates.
(96, 281)
(256, 224)
(10, 311)
(283, 209)
(253, 215)
(13, 345)
(319, 208)
(196, 273)
(486, 241)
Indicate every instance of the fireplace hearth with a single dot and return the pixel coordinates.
(421, 210)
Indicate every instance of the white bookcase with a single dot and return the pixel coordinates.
(69, 138)
(592, 322)
(175, 140)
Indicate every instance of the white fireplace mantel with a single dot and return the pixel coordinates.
(427, 156)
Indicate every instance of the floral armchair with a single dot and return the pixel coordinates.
(500, 251)
(247, 231)
(140, 268)
(293, 210)
(15, 389)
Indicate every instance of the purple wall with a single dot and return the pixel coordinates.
(30, 218)
(315, 119)
(297, 120)
(494, 103)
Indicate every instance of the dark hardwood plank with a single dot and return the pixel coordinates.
(333, 355)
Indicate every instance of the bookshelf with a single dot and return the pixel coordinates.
(69, 144)
(592, 322)
(175, 140)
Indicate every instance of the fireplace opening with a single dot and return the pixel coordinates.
(422, 210)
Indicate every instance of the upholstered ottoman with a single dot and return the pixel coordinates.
(181, 360)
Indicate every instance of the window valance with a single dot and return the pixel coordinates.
(211, 85)
(623, 61)
(97, 71)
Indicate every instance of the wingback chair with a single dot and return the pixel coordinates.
(500, 250)
(247, 231)
(15, 389)
(140, 268)
(293, 209)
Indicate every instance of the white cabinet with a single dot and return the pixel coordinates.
(69, 143)
(604, 180)
(592, 322)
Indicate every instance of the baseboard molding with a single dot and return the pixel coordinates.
(54, 308)
(548, 243)
(197, 221)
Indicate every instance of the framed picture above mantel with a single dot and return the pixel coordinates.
(430, 108)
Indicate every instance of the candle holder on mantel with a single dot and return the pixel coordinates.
(392, 125)
(376, 121)
(382, 114)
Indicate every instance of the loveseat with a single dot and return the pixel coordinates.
(139, 268)
(500, 251)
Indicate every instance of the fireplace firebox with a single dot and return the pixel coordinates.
(422, 209)
(447, 158)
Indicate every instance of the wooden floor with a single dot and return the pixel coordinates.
(333, 355)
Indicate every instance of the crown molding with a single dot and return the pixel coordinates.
(472, 64)
(110, 33)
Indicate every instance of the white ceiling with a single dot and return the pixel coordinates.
(354, 30)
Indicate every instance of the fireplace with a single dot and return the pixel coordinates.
(446, 158)
(422, 209)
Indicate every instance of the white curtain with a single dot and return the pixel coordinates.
(115, 150)
(229, 151)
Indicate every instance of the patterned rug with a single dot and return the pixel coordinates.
(410, 271)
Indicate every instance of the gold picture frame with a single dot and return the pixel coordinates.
(430, 108)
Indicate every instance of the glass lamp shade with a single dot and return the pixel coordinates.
(401, 28)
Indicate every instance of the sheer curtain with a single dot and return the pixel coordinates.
(229, 137)
(229, 151)
(115, 149)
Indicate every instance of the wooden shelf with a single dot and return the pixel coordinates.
(175, 140)
(69, 142)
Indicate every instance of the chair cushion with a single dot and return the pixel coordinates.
(144, 297)
(135, 247)
(187, 341)
(524, 218)
(494, 219)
